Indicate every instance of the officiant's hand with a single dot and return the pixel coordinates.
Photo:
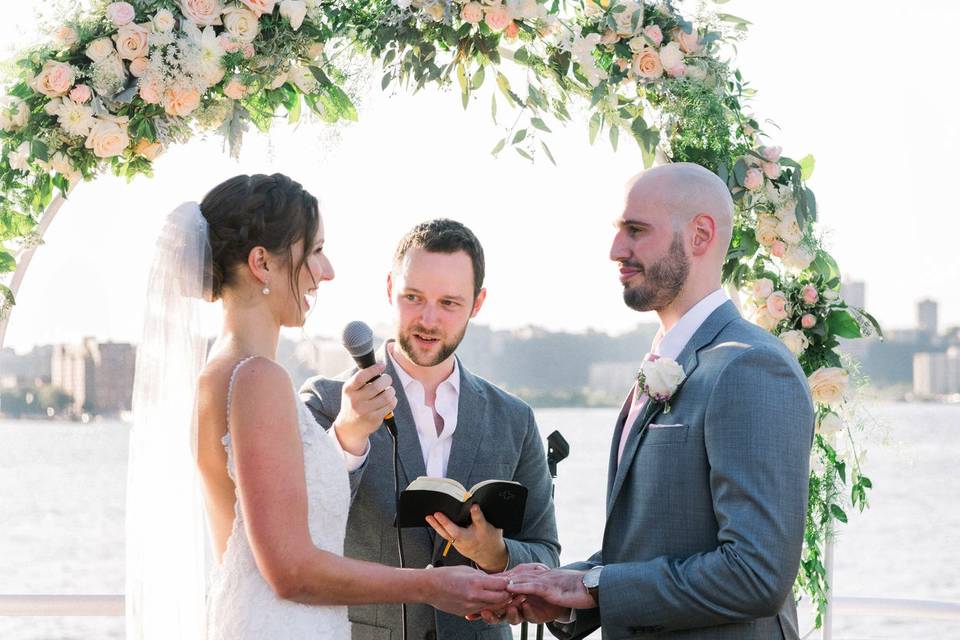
(463, 590)
(561, 587)
(363, 407)
(481, 541)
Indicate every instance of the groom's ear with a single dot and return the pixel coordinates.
(390, 288)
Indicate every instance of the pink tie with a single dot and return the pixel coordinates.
(639, 400)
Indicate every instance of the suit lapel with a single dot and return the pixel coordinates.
(688, 359)
(615, 444)
(468, 438)
(408, 442)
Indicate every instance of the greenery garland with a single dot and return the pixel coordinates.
(119, 83)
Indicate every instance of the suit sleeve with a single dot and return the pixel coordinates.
(315, 393)
(757, 432)
(585, 621)
(537, 541)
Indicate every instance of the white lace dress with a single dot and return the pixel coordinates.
(240, 603)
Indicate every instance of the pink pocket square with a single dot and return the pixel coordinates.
(654, 425)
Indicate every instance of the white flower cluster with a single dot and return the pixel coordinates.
(498, 15)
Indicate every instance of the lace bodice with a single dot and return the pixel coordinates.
(241, 605)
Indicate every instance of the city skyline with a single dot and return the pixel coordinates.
(546, 230)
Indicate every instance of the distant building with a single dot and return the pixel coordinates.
(927, 318)
(99, 376)
(30, 369)
(612, 378)
(854, 293)
(936, 374)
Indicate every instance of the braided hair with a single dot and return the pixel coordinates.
(273, 212)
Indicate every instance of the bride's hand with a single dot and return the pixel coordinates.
(462, 590)
(363, 407)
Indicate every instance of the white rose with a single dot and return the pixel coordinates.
(241, 23)
(107, 139)
(203, 12)
(99, 49)
(788, 229)
(671, 56)
(796, 341)
(762, 288)
(797, 258)
(131, 41)
(828, 385)
(294, 11)
(120, 13)
(163, 21)
(830, 424)
(766, 231)
(20, 157)
(661, 378)
(14, 113)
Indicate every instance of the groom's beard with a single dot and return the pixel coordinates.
(663, 280)
(447, 346)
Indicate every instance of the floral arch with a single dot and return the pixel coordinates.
(122, 81)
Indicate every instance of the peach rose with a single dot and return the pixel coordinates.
(763, 319)
(753, 180)
(81, 94)
(762, 288)
(139, 67)
(99, 49)
(131, 41)
(260, 7)
(147, 149)
(497, 18)
(203, 12)
(150, 90)
(315, 51)
(472, 12)
(107, 139)
(777, 306)
(241, 23)
(689, 42)
(163, 21)
(809, 294)
(766, 231)
(66, 36)
(771, 170)
(180, 101)
(235, 89)
(771, 154)
(795, 341)
(808, 321)
(654, 33)
(610, 37)
(294, 11)
(778, 248)
(828, 385)
(512, 30)
(54, 80)
(120, 13)
(646, 64)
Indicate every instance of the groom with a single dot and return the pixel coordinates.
(706, 500)
(450, 423)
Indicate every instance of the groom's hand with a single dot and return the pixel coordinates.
(363, 406)
(560, 587)
(481, 541)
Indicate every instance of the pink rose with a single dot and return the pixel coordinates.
(472, 12)
(677, 71)
(235, 89)
(771, 170)
(771, 154)
(131, 41)
(180, 101)
(260, 7)
(203, 12)
(777, 306)
(228, 43)
(138, 67)
(689, 42)
(66, 36)
(512, 30)
(120, 13)
(762, 288)
(753, 180)
(150, 91)
(81, 94)
(54, 80)
(497, 18)
(654, 33)
(808, 321)
(809, 294)
(248, 50)
(778, 248)
(646, 64)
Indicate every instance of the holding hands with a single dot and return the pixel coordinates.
(540, 594)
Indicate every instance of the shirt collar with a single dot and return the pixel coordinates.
(671, 343)
(406, 379)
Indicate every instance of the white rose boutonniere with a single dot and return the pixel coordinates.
(659, 379)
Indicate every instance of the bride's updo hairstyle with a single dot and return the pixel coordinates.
(273, 212)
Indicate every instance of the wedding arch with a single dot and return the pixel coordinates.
(119, 83)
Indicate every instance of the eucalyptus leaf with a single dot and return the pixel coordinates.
(594, 126)
(540, 124)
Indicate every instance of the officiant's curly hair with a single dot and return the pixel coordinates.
(443, 235)
(247, 211)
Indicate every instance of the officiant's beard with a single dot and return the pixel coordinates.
(447, 347)
(662, 281)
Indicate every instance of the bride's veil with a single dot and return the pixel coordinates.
(167, 549)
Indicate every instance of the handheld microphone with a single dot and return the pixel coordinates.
(358, 341)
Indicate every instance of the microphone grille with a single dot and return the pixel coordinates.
(358, 338)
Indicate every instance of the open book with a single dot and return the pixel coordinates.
(502, 502)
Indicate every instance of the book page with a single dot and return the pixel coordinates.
(441, 485)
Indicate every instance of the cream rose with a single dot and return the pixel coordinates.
(497, 18)
(661, 378)
(777, 306)
(163, 21)
(785, 208)
(132, 41)
(148, 150)
(654, 33)
(99, 49)
(797, 258)
(829, 424)
(14, 113)
(203, 12)
(19, 158)
(241, 23)
(610, 37)
(808, 321)
(809, 294)
(235, 89)
(671, 56)
(789, 229)
(66, 36)
(54, 80)
(766, 231)
(120, 13)
(107, 139)
(796, 341)
(762, 288)
(646, 64)
(763, 319)
(294, 11)
(181, 101)
(260, 7)
(139, 67)
(689, 42)
(753, 179)
(828, 385)
(472, 12)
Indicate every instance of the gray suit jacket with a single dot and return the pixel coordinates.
(705, 517)
(496, 438)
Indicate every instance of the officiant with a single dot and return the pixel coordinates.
(450, 423)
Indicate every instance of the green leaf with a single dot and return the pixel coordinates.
(865, 481)
(540, 124)
(7, 263)
(806, 167)
(499, 147)
(464, 87)
(389, 57)
(344, 104)
(842, 324)
(39, 150)
(523, 153)
(519, 136)
(838, 513)
(504, 85)
(595, 122)
(546, 150)
(385, 82)
(614, 136)
(293, 113)
(320, 76)
(477, 80)
(493, 107)
(872, 321)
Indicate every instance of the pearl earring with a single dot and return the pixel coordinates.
(265, 291)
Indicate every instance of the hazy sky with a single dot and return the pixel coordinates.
(839, 79)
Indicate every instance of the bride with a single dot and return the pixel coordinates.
(273, 484)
